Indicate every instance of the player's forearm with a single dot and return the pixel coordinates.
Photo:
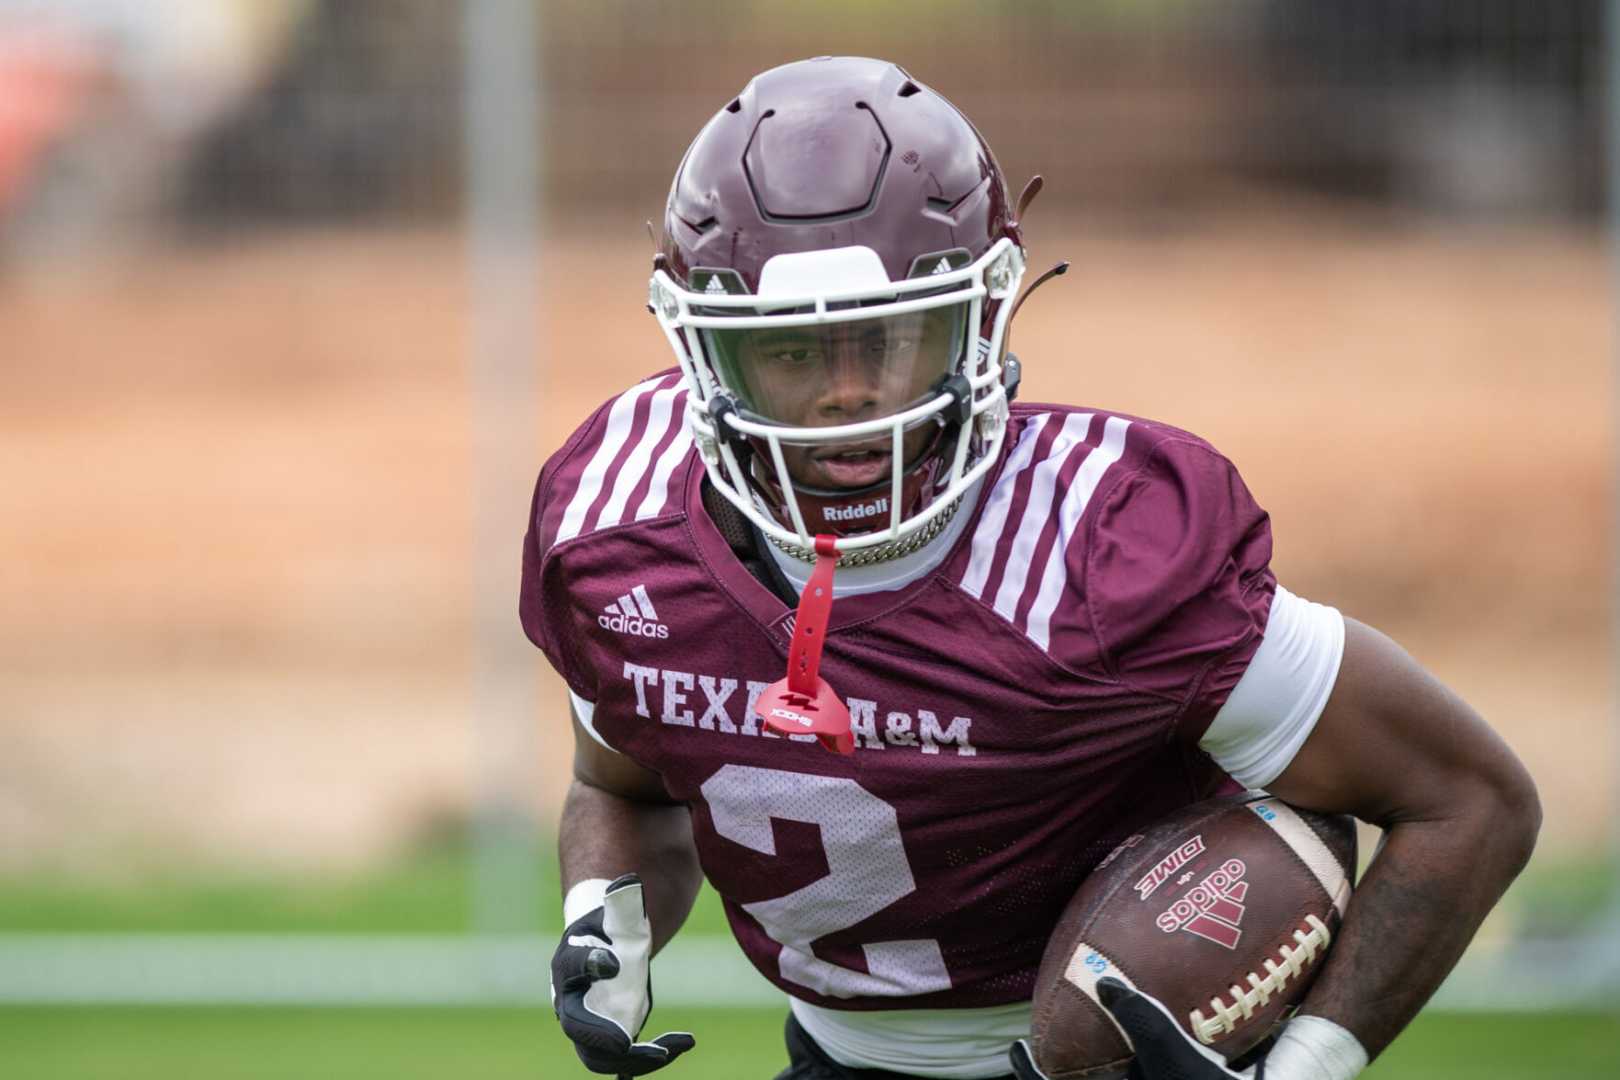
(603, 835)
(1423, 897)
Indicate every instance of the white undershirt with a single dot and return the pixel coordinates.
(956, 1044)
(1276, 703)
(1254, 736)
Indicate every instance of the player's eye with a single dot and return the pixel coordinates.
(892, 347)
(793, 357)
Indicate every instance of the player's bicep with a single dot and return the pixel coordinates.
(1394, 744)
(600, 766)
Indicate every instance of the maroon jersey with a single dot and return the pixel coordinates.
(1016, 711)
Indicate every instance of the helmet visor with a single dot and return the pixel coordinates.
(843, 372)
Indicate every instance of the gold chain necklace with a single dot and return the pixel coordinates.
(894, 549)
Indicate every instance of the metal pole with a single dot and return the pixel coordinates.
(1611, 98)
(500, 81)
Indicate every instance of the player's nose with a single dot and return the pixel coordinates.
(850, 392)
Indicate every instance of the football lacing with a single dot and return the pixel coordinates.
(1295, 959)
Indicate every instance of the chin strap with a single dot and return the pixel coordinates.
(803, 703)
(1057, 271)
(894, 549)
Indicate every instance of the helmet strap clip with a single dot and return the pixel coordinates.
(961, 407)
(1012, 373)
(721, 406)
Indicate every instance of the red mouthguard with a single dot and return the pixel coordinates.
(803, 703)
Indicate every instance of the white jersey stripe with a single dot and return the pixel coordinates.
(1075, 501)
(987, 537)
(658, 491)
(1042, 491)
(619, 421)
(635, 466)
(644, 602)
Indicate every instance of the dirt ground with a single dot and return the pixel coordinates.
(236, 498)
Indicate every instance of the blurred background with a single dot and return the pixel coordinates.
(295, 296)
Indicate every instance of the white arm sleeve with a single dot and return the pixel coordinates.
(1276, 703)
(584, 710)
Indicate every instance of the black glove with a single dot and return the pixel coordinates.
(1023, 1062)
(601, 988)
(1163, 1050)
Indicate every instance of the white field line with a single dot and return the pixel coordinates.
(252, 969)
(700, 970)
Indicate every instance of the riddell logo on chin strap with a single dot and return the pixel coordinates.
(633, 613)
(858, 510)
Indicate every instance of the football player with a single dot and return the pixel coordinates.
(893, 659)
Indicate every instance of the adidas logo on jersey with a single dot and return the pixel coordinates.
(857, 511)
(633, 613)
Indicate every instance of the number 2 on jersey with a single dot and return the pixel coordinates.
(866, 872)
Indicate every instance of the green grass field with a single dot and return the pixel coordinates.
(496, 1044)
(427, 893)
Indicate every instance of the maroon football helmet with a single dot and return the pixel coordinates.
(838, 264)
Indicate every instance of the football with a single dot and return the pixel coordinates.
(1223, 911)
